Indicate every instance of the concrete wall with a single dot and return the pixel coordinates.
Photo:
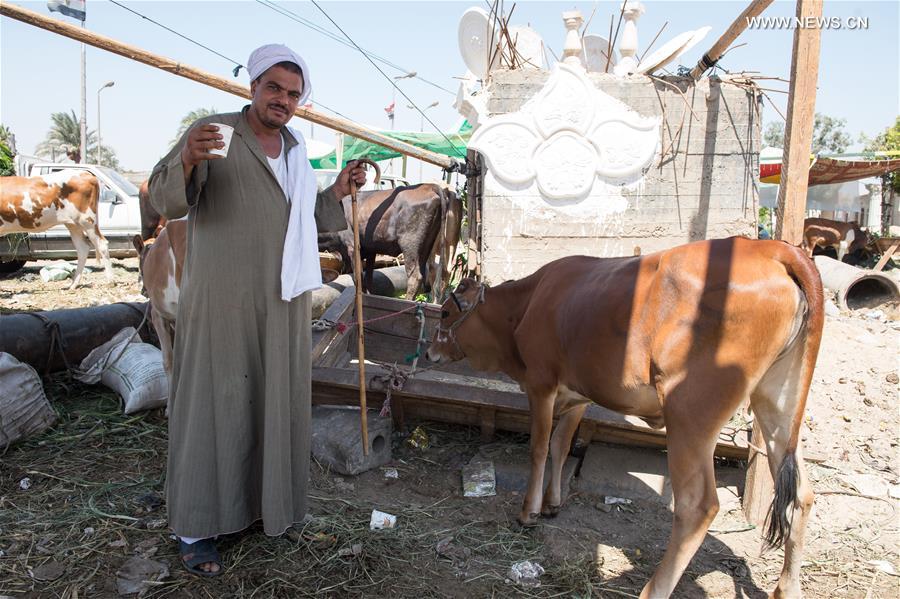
(704, 186)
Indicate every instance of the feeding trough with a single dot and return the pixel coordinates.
(454, 393)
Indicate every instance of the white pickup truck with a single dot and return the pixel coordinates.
(120, 220)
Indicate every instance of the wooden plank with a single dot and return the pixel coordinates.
(459, 399)
(721, 45)
(339, 311)
(182, 70)
(759, 488)
(887, 255)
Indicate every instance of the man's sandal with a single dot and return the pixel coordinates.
(202, 552)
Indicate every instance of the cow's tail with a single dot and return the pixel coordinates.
(449, 223)
(787, 481)
(427, 263)
(95, 206)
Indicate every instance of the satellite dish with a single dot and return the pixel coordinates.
(475, 41)
(529, 46)
(696, 39)
(593, 54)
(665, 54)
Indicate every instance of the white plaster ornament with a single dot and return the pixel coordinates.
(565, 137)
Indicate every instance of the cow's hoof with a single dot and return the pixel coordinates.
(550, 511)
(529, 521)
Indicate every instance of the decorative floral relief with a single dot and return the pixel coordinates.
(625, 147)
(508, 146)
(565, 136)
(566, 102)
(566, 164)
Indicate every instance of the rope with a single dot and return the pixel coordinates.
(58, 345)
(323, 324)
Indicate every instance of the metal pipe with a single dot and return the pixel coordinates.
(856, 288)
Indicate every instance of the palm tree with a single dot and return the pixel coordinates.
(65, 137)
(188, 120)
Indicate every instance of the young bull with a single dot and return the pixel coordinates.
(161, 265)
(845, 238)
(680, 338)
(69, 197)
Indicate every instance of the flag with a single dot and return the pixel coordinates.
(390, 110)
(71, 8)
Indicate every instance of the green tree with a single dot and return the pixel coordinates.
(6, 135)
(64, 138)
(828, 135)
(7, 167)
(189, 119)
(887, 141)
(107, 154)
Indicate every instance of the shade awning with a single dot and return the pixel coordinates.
(831, 170)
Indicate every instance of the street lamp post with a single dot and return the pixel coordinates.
(422, 126)
(99, 145)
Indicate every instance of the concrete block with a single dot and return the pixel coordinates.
(636, 473)
(512, 467)
(337, 442)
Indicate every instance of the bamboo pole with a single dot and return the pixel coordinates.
(737, 27)
(759, 486)
(188, 72)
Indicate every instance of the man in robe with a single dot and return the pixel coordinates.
(239, 407)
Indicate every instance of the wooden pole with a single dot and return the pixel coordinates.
(189, 72)
(759, 486)
(360, 331)
(723, 43)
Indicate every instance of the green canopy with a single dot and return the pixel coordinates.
(451, 144)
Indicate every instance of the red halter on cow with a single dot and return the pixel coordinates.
(681, 338)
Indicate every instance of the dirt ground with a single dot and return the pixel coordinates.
(83, 499)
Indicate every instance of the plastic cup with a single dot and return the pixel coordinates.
(225, 131)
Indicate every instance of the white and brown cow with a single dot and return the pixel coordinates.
(161, 264)
(68, 197)
(681, 338)
(845, 238)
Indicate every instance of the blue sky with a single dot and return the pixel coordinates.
(39, 70)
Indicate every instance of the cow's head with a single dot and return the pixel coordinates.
(455, 313)
(142, 248)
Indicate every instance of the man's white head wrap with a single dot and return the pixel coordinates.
(271, 54)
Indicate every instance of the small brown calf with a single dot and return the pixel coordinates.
(681, 338)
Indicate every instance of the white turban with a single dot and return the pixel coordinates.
(271, 54)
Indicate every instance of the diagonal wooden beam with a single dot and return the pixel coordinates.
(188, 72)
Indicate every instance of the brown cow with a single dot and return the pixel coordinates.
(161, 264)
(152, 221)
(845, 238)
(680, 338)
(68, 197)
(418, 221)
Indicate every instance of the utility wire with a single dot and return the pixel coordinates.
(231, 60)
(391, 81)
(317, 28)
(239, 65)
